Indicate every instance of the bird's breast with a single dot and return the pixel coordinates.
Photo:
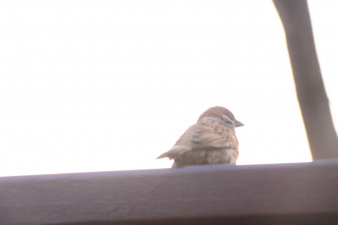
(207, 157)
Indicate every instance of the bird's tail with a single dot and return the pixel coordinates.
(174, 152)
(162, 155)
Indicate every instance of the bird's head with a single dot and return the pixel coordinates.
(222, 113)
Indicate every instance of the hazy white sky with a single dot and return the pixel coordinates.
(110, 85)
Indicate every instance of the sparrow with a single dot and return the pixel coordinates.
(212, 140)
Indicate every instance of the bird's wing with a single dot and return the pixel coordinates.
(207, 134)
(213, 134)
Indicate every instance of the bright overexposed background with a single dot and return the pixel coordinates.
(109, 85)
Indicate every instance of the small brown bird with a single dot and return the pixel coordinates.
(212, 140)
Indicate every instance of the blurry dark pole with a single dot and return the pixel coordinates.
(310, 89)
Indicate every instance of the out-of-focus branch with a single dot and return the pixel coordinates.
(311, 93)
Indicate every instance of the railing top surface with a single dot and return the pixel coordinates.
(195, 194)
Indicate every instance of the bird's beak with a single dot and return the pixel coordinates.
(238, 124)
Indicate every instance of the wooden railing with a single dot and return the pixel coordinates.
(305, 193)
